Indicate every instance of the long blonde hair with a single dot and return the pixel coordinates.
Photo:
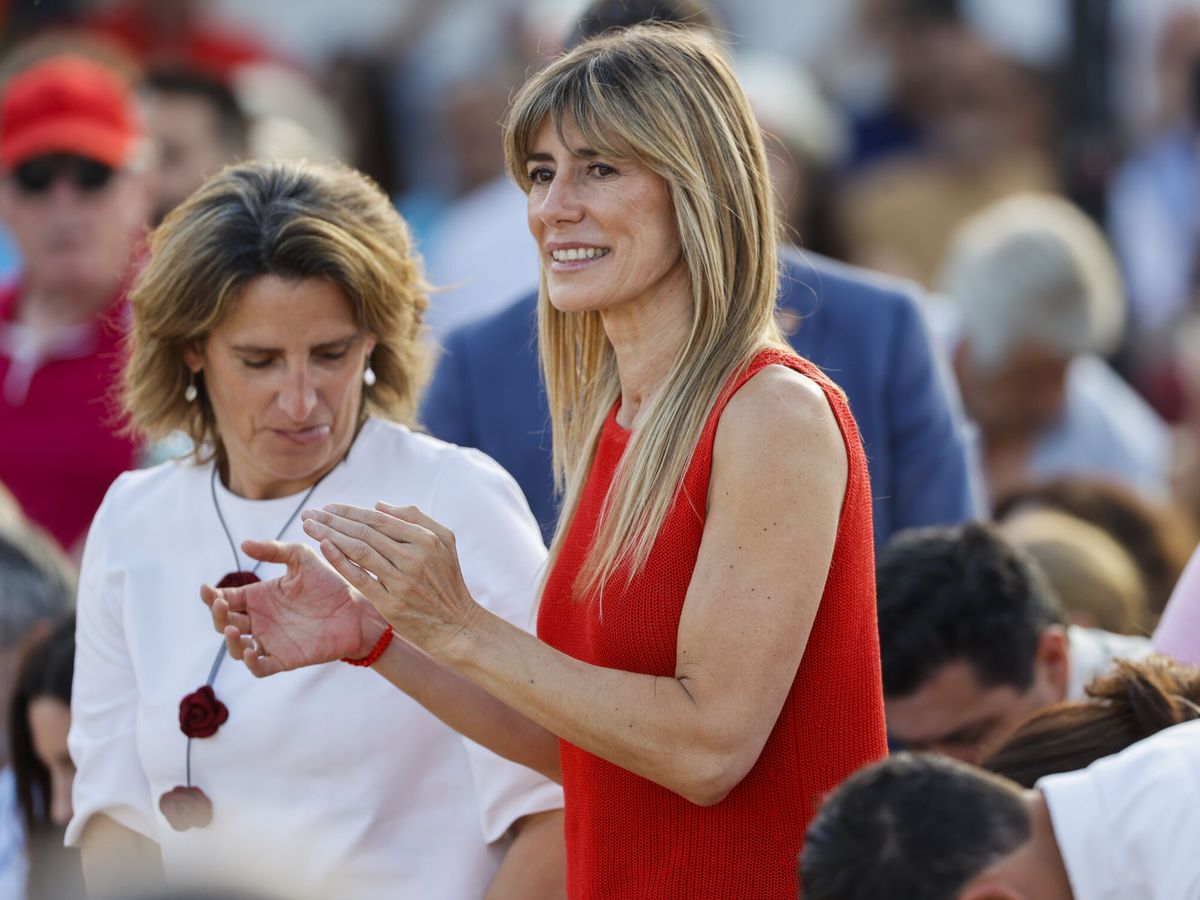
(667, 97)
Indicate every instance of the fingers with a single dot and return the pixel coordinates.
(208, 594)
(393, 527)
(219, 609)
(241, 621)
(245, 648)
(414, 516)
(233, 598)
(272, 551)
(222, 615)
(262, 666)
(233, 641)
(356, 576)
(363, 545)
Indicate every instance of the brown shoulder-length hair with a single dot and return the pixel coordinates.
(1136, 700)
(293, 219)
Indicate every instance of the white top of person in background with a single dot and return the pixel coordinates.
(1128, 825)
(1093, 652)
(365, 794)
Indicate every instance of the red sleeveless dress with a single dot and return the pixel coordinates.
(630, 838)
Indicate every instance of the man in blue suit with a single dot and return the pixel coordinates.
(864, 331)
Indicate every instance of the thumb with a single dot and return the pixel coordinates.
(234, 597)
(272, 551)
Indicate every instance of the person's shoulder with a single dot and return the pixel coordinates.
(780, 407)
(141, 493)
(465, 488)
(425, 456)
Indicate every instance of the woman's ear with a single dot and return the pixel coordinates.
(193, 357)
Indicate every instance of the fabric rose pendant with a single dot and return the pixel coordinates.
(186, 807)
(201, 715)
(238, 579)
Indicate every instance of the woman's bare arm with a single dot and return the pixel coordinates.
(118, 861)
(470, 710)
(778, 481)
(535, 864)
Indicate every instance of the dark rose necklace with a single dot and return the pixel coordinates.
(201, 714)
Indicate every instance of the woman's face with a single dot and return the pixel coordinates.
(605, 228)
(49, 722)
(283, 373)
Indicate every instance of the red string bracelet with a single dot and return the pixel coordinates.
(376, 651)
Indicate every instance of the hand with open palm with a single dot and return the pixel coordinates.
(309, 615)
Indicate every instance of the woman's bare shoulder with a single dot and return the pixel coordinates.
(780, 404)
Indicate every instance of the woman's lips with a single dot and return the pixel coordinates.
(304, 437)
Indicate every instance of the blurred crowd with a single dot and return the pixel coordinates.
(1025, 174)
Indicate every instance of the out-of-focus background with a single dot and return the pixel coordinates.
(893, 120)
(1065, 324)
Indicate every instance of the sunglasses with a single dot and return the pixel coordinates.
(38, 175)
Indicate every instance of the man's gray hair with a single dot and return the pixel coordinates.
(1034, 267)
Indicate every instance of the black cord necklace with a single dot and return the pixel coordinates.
(201, 714)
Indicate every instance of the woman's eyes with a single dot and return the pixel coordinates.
(543, 175)
(330, 356)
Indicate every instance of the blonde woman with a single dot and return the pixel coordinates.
(707, 663)
(278, 324)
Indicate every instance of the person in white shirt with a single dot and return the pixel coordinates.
(931, 828)
(278, 324)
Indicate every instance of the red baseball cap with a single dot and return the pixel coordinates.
(68, 104)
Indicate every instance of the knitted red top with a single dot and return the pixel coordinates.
(628, 837)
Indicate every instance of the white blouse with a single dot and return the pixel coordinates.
(325, 781)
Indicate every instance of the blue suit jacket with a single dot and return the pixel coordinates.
(864, 331)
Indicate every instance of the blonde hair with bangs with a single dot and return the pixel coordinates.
(293, 219)
(666, 96)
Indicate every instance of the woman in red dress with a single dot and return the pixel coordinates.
(706, 664)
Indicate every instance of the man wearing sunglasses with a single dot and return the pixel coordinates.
(75, 197)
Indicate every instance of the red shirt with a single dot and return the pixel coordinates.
(628, 837)
(59, 443)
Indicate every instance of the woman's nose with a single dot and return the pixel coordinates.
(561, 202)
(298, 396)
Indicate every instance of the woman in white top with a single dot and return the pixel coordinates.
(278, 325)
